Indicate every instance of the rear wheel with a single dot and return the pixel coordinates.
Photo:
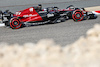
(78, 15)
(15, 23)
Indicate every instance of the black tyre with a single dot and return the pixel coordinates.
(78, 15)
(15, 23)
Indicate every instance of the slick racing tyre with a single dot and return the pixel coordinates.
(15, 23)
(78, 15)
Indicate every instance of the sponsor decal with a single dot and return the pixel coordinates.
(31, 9)
(30, 15)
(18, 13)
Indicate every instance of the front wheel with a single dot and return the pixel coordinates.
(78, 15)
(15, 23)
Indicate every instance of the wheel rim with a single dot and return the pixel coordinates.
(15, 23)
(78, 15)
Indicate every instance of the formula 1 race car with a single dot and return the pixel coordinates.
(30, 15)
(50, 14)
(78, 14)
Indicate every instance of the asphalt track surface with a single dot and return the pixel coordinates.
(16, 5)
(62, 33)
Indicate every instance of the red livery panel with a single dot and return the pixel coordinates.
(28, 15)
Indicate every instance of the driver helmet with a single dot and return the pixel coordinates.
(40, 6)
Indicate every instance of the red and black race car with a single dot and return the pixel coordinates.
(51, 14)
(30, 15)
(78, 14)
